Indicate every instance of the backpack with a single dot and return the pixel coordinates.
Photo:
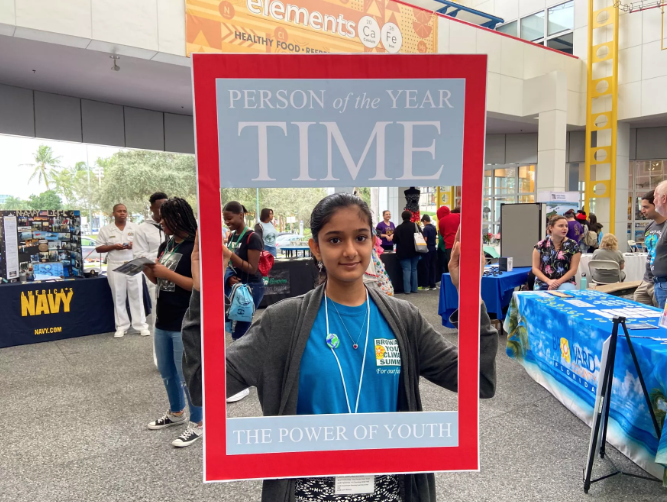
(590, 238)
(266, 260)
(377, 273)
(241, 304)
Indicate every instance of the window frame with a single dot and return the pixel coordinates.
(544, 41)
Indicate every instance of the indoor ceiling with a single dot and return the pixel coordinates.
(87, 74)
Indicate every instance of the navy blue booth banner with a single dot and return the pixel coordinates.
(47, 311)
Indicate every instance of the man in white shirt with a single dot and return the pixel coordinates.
(117, 240)
(149, 236)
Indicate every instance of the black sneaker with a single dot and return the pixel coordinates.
(189, 436)
(167, 420)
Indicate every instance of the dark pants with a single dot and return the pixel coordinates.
(389, 247)
(257, 294)
(444, 257)
(431, 265)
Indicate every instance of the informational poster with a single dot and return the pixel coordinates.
(558, 202)
(11, 248)
(339, 120)
(309, 27)
(46, 245)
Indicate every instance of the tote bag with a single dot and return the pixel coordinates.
(420, 243)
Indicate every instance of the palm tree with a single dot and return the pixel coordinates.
(45, 163)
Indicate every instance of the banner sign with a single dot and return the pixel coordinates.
(343, 132)
(309, 27)
(277, 282)
(339, 120)
(43, 312)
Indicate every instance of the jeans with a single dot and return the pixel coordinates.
(169, 352)
(430, 264)
(660, 292)
(257, 294)
(271, 249)
(409, 266)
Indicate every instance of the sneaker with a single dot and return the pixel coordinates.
(189, 436)
(119, 333)
(239, 396)
(145, 332)
(167, 420)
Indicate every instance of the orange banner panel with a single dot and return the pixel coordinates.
(308, 27)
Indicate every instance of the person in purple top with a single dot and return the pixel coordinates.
(574, 228)
(385, 230)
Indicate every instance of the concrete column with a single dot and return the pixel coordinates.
(622, 182)
(552, 135)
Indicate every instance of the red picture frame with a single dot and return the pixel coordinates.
(206, 68)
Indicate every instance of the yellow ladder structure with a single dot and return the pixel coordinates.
(601, 108)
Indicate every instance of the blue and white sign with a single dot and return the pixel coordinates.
(358, 431)
(343, 132)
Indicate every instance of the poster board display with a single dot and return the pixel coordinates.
(558, 202)
(338, 120)
(49, 242)
(309, 27)
(521, 227)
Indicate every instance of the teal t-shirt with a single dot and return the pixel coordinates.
(321, 389)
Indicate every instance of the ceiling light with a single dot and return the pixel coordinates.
(115, 66)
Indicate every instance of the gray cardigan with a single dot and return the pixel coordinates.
(269, 354)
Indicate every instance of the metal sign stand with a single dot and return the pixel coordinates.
(602, 404)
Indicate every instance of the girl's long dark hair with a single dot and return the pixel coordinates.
(179, 217)
(327, 207)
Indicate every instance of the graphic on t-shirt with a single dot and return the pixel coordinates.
(171, 262)
(651, 242)
(387, 352)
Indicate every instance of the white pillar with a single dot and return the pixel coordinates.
(622, 182)
(552, 134)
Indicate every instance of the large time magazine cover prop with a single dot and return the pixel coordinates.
(325, 121)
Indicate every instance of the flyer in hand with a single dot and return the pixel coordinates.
(133, 267)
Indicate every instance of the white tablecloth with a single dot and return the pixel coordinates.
(635, 266)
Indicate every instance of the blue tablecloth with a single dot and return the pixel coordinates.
(496, 293)
(560, 346)
(47, 311)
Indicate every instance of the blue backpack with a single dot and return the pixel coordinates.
(242, 306)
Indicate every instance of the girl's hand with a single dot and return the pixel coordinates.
(160, 271)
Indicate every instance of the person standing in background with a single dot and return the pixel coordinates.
(652, 233)
(117, 240)
(448, 224)
(431, 258)
(267, 231)
(574, 228)
(147, 240)
(172, 274)
(385, 230)
(404, 237)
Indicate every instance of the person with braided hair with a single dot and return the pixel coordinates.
(172, 273)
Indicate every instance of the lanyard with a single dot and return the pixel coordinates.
(235, 245)
(363, 361)
(163, 258)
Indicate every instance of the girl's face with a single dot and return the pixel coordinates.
(233, 221)
(270, 215)
(345, 245)
(165, 227)
(559, 229)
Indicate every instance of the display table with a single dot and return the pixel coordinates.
(635, 266)
(289, 278)
(496, 293)
(293, 251)
(47, 311)
(560, 346)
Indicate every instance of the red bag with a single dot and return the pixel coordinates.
(266, 260)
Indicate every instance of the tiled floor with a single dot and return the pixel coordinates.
(74, 415)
